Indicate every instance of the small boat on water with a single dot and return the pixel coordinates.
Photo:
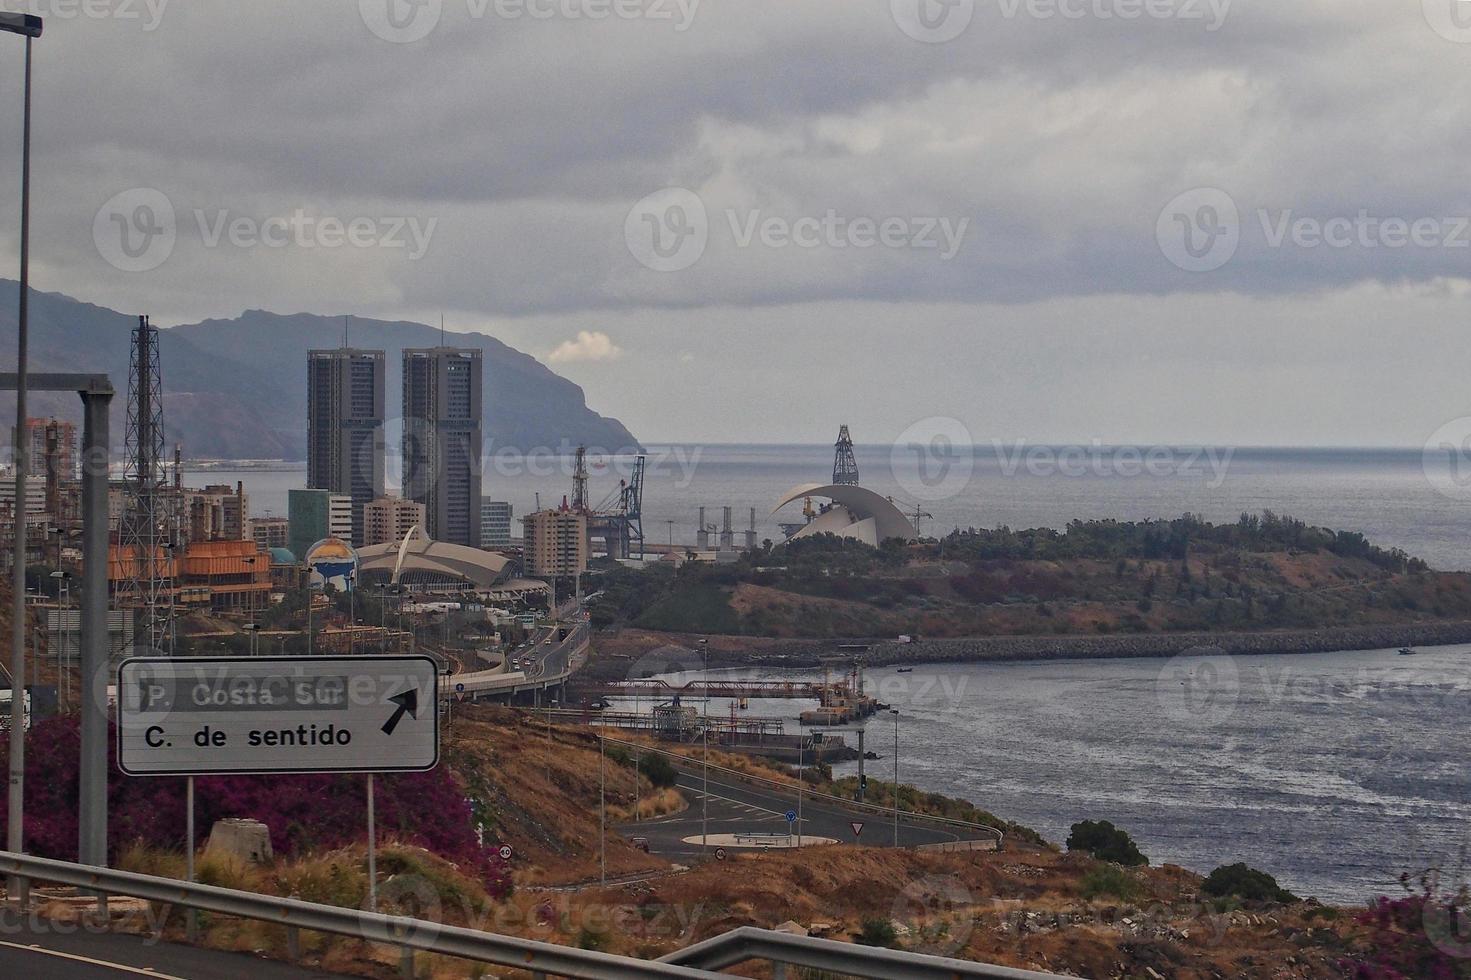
(906, 670)
(1407, 652)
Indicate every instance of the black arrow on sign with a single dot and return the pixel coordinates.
(408, 702)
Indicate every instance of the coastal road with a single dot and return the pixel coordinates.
(41, 950)
(739, 807)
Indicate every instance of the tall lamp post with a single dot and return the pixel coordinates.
(27, 26)
(705, 735)
(895, 713)
(63, 654)
(253, 626)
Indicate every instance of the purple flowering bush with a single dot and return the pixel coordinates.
(304, 813)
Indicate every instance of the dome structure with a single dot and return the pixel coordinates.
(853, 512)
(332, 560)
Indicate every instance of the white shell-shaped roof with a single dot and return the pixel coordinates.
(860, 513)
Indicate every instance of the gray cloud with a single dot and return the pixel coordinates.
(1056, 141)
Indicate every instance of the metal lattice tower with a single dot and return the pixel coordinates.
(845, 465)
(147, 518)
(579, 481)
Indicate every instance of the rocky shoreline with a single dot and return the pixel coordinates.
(1113, 646)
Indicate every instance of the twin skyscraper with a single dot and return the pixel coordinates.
(441, 439)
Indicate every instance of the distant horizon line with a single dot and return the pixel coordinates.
(543, 450)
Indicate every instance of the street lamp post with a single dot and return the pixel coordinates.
(27, 26)
(62, 659)
(352, 612)
(895, 713)
(705, 736)
(252, 625)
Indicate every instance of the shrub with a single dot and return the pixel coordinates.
(877, 932)
(303, 812)
(1106, 842)
(1419, 935)
(1246, 883)
(657, 770)
(1109, 879)
(592, 939)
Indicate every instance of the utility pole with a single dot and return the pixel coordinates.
(29, 27)
(602, 810)
(705, 735)
(895, 713)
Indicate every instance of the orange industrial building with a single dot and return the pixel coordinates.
(226, 576)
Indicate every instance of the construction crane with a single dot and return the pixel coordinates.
(618, 517)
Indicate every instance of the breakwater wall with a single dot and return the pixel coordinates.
(1121, 645)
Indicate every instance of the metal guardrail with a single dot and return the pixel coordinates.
(812, 794)
(541, 959)
(844, 959)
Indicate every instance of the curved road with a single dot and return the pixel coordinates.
(739, 807)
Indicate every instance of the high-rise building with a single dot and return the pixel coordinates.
(40, 433)
(556, 543)
(442, 439)
(316, 514)
(345, 410)
(495, 524)
(387, 519)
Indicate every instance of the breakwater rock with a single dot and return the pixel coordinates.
(1119, 645)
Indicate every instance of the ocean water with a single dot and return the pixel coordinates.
(1334, 772)
(1384, 493)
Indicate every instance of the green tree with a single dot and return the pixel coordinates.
(1106, 842)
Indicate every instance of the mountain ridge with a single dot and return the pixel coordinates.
(236, 388)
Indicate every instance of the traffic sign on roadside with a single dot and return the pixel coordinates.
(210, 715)
(720, 854)
(857, 826)
(791, 816)
(505, 852)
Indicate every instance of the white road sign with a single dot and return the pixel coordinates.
(204, 715)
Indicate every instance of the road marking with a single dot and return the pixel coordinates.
(138, 971)
(749, 806)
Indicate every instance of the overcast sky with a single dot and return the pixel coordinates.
(751, 220)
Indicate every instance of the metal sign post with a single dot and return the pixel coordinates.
(372, 852)
(219, 715)
(189, 850)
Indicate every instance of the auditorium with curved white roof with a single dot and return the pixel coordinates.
(852, 512)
